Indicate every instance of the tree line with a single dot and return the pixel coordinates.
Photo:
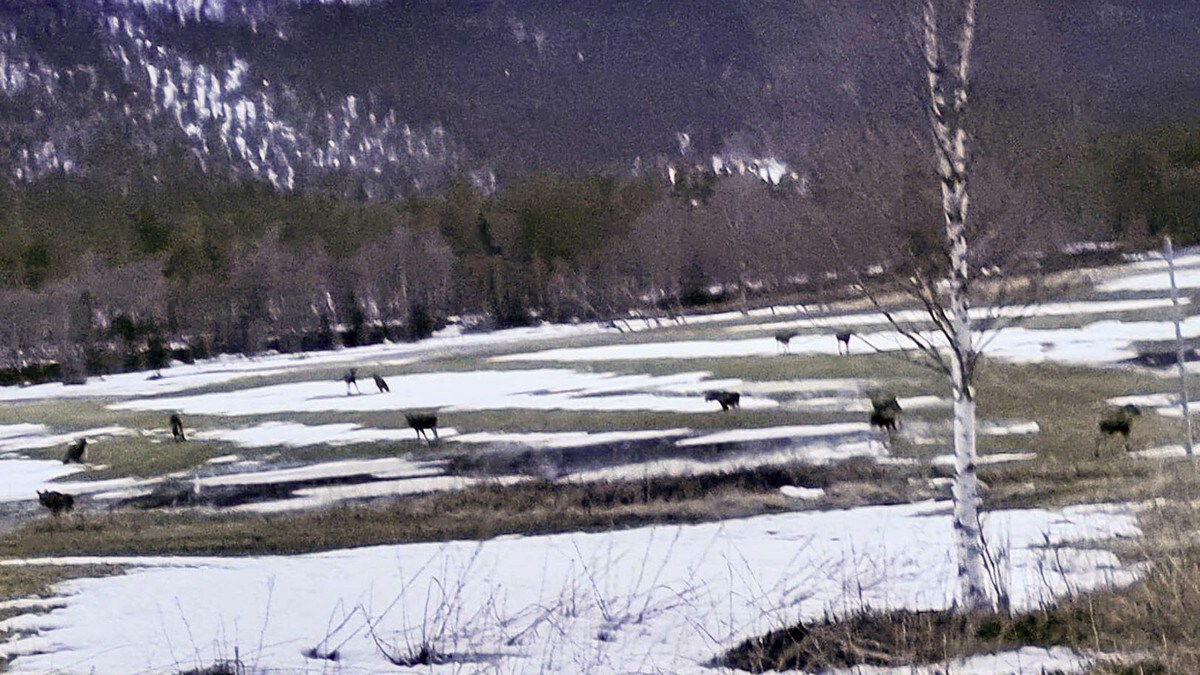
(111, 272)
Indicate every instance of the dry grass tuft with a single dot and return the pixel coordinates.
(903, 637)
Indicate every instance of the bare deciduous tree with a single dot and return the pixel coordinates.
(951, 312)
(939, 276)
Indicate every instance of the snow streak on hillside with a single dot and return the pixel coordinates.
(115, 74)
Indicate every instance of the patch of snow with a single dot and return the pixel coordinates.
(21, 478)
(228, 368)
(656, 599)
(843, 386)
(293, 435)
(1095, 343)
(916, 316)
(539, 389)
(1023, 661)
(768, 433)
(995, 458)
(1008, 428)
(41, 439)
(317, 497)
(387, 467)
(30, 603)
(1161, 452)
(566, 439)
(1186, 276)
(8, 431)
(123, 385)
(817, 452)
(796, 492)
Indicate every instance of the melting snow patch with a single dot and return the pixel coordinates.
(1008, 428)
(1161, 452)
(1156, 281)
(588, 607)
(41, 439)
(812, 452)
(292, 434)
(996, 458)
(567, 439)
(540, 389)
(1099, 342)
(388, 467)
(310, 498)
(1024, 661)
(796, 492)
(916, 316)
(21, 478)
(9, 431)
(1166, 405)
(768, 433)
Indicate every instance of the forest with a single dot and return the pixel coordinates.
(131, 264)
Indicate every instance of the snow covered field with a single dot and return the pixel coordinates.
(663, 599)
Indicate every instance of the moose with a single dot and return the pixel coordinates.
(1118, 421)
(379, 382)
(177, 428)
(351, 378)
(57, 502)
(75, 451)
(885, 412)
(727, 399)
(782, 338)
(422, 422)
(843, 338)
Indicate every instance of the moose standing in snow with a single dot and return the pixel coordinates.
(727, 399)
(379, 382)
(351, 378)
(843, 338)
(782, 338)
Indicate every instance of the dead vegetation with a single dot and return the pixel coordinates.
(488, 510)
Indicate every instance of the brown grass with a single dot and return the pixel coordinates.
(22, 581)
(536, 507)
(904, 637)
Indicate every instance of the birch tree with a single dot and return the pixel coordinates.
(950, 309)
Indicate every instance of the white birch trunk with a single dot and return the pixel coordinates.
(1169, 252)
(951, 143)
(972, 572)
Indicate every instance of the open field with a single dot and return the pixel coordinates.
(585, 434)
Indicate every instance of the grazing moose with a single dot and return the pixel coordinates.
(422, 422)
(177, 428)
(843, 338)
(379, 382)
(885, 412)
(351, 378)
(57, 502)
(727, 399)
(782, 338)
(75, 451)
(1118, 421)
